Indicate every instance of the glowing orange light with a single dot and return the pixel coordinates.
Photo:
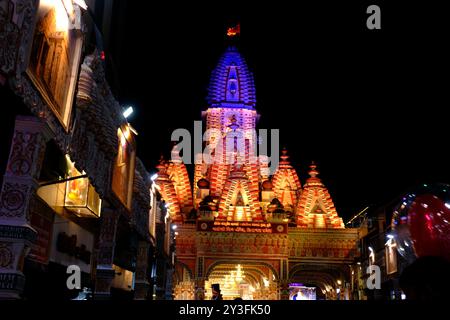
(234, 31)
(81, 197)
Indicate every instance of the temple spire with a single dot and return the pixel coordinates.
(313, 180)
(286, 183)
(284, 156)
(284, 159)
(232, 84)
(162, 168)
(315, 208)
(313, 171)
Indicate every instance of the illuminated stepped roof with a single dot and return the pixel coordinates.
(243, 191)
(179, 176)
(168, 191)
(238, 192)
(315, 207)
(232, 83)
(286, 183)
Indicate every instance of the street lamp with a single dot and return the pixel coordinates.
(128, 111)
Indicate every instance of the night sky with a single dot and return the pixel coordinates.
(367, 106)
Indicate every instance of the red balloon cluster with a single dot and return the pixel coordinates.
(429, 225)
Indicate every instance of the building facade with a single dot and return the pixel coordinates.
(74, 194)
(164, 252)
(259, 235)
(389, 249)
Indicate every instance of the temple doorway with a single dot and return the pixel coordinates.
(318, 282)
(245, 281)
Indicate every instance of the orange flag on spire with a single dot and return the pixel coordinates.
(234, 31)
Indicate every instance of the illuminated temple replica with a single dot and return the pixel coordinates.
(258, 236)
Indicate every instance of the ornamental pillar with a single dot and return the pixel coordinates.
(284, 280)
(20, 183)
(200, 290)
(107, 243)
(200, 279)
(284, 290)
(141, 284)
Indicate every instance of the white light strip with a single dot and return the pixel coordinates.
(128, 112)
(81, 4)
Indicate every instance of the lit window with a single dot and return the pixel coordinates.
(81, 197)
(55, 56)
(123, 172)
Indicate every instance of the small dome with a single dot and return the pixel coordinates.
(267, 185)
(203, 183)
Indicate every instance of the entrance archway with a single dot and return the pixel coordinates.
(248, 281)
(329, 281)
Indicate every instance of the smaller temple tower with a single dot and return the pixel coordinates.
(315, 208)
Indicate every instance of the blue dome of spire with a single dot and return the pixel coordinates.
(232, 84)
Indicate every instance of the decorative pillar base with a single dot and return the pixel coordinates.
(104, 278)
(141, 289)
(200, 289)
(17, 191)
(15, 242)
(284, 290)
(11, 285)
(141, 284)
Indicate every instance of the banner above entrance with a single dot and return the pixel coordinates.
(242, 226)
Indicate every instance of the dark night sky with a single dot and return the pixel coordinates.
(367, 106)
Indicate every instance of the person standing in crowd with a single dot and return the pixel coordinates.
(216, 295)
